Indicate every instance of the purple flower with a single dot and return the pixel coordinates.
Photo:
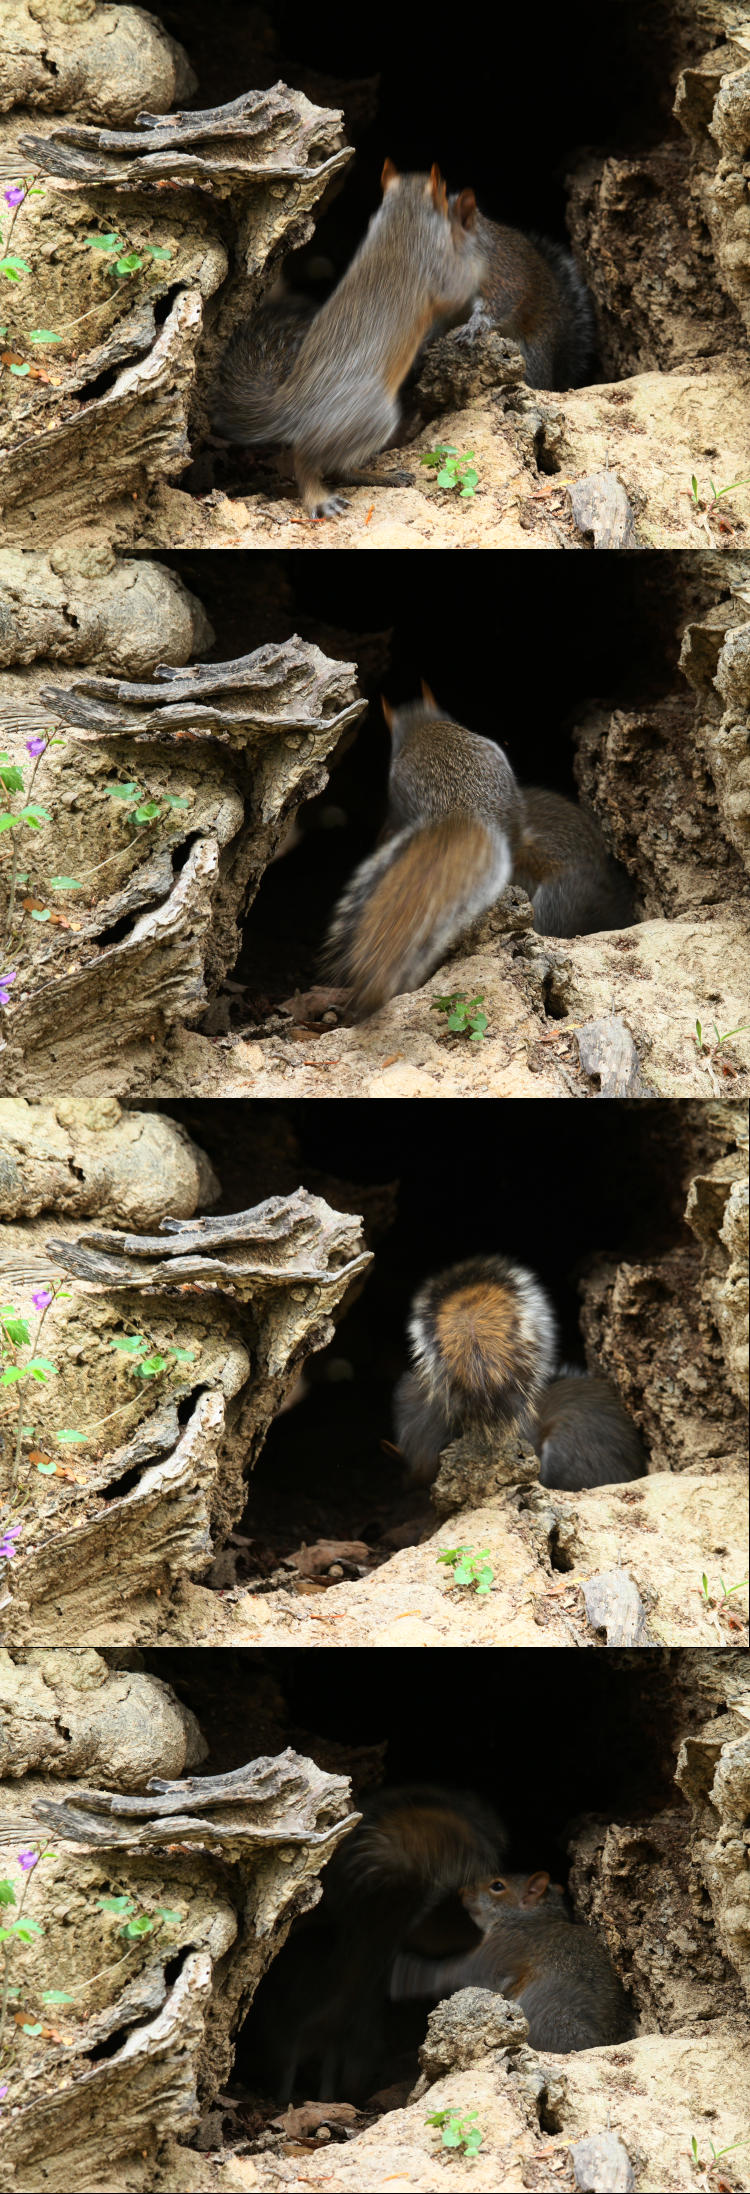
(7, 1549)
(35, 746)
(42, 1298)
(4, 981)
(15, 196)
(27, 1859)
(3, 2091)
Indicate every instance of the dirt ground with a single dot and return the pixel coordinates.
(654, 432)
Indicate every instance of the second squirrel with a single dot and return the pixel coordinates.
(458, 830)
(483, 1346)
(534, 1954)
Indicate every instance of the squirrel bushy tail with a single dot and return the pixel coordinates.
(483, 1345)
(409, 903)
(323, 2009)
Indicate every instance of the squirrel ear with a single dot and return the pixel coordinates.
(439, 192)
(389, 175)
(427, 694)
(465, 208)
(387, 711)
(535, 1889)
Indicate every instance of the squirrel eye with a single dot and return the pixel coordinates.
(496, 1888)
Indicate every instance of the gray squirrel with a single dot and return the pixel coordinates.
(334, 396)
(483, 1345)
(533, 1953)
(458, 830)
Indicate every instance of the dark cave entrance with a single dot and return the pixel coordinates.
(553, 1187)
(514, 121)
(554, 1750)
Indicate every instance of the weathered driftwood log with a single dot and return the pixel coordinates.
(239, 746)
(672, 1330)
(107, 415)
(271, 135)
(245, 1299)
(230, 1860)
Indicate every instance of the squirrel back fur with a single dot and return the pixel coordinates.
(583, 1436)
(563, 863)
(532, 291)
(483, 1348)
(337, 405)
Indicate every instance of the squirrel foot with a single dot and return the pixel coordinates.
(331, 506)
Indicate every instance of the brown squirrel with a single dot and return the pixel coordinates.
(533, 292)
(483, 1347)
(559, 1973)
(337, 403)
(322, 2009)
(458, 830)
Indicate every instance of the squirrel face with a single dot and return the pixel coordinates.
(521, 1892)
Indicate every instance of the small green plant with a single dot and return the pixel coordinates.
(144, 1362)
(457, 2130)
(15, 195)
(465, 1015)
(28, 816)
(469, 1568)
(145, 808)
(135, 1921)
(452, 470)
(128, 258)
(715, 2152)
(15, 1335)
(716, 493)
(18, 1931)
(703, 1044)
(727, 1590)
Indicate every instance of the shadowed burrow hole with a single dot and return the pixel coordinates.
(555, 1751)
(450, 1182)
(521, 659)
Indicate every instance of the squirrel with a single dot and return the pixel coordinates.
(534, 1954)
(532, 291)
(458, 829)
(573, 883)
(582, 1434)
(337, 402)
(483, 1344)
(324, 2006)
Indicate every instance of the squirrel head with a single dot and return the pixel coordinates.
(410, 713)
